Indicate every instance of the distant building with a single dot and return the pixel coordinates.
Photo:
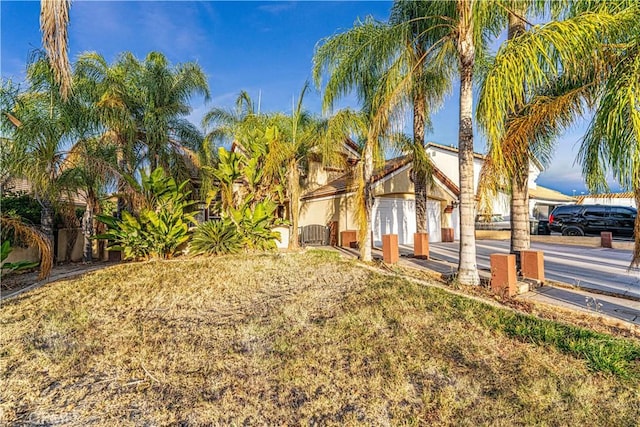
(618, 199)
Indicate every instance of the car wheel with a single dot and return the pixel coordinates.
(572, 231)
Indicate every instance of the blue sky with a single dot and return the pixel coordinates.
(264, 48)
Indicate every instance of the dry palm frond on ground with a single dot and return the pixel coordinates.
(31, 237)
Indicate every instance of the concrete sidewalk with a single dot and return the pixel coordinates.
(562, 296)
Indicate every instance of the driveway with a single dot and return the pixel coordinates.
(600, 269)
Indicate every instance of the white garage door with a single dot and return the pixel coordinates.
(398, 216)
(433, 221)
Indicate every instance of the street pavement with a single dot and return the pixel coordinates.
(601, 269)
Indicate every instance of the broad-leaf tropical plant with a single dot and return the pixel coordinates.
(162, 224)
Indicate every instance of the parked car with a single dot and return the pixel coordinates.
(578, 220)
(500, 222)
(493, 222)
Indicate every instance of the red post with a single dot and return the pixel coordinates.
(421, 245)
(503, 274)
(606, 239)
(532, 264)
(447, 235)
(347, 237)
(390, 251)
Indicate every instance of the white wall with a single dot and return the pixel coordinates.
(617, 201)
(447, 162)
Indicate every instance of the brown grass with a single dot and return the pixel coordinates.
(282, 339)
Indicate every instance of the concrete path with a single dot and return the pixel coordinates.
(28, 281)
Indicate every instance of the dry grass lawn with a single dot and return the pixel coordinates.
(296, 339)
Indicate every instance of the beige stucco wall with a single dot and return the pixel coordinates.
(63, 236)
(341, 208)
(318, 175)
(32, 253)
(23, 254)
(397, 185)
(322, 211)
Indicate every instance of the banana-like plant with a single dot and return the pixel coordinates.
(162, 225)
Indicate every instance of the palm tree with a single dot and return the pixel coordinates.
(141, 106)
(165, 93)
(54, 20)
(612, 142)
(32, 237)
(460, 29)
(352, 60)
(300, 137)
(113, 97)
(222, 124)
(426, 82)
(252, 133)
(90, 168)
(550, 60)
(43, 126)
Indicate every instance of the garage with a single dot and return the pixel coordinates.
(398, 216)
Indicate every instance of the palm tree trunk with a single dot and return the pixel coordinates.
(121, 185)
(367, 204)
(419, 174)
(635, 261)
(46, 222)
(294, 203)
(467, 268)
(520, 237)
(520, 233)
(87, 230)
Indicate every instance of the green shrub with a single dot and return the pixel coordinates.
(160, 227)
(246, 227)
(21, 205)
(216, 238)
(255, 225)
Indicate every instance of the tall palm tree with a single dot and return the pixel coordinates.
(54, 20)
(354, 61)
(461, 29)
(612, 142)
(44, 125)
(110, 91)
(142, 106)
(551, 58)
(427, 79)
(165, 93)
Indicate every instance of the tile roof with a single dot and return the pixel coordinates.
(543, 193)
(345, 184)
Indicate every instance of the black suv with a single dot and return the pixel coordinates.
(578, 220)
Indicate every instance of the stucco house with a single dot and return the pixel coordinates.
(330, 197)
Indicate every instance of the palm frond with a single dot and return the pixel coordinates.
(33, 237)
